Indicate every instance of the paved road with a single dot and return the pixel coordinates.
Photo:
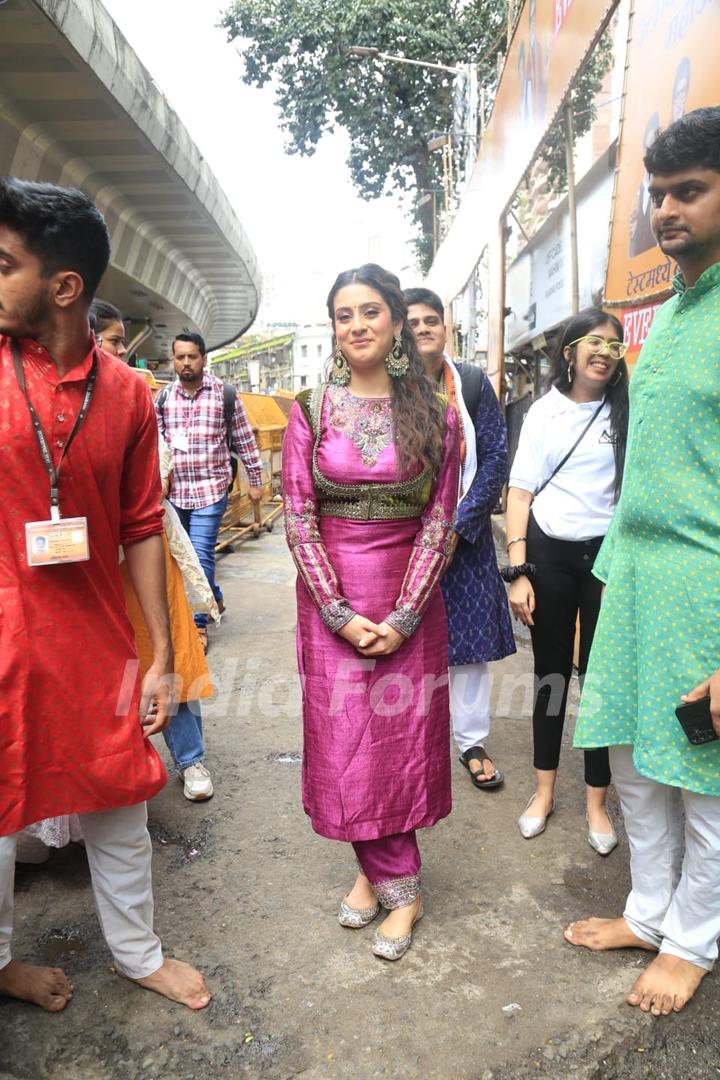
(245, 888)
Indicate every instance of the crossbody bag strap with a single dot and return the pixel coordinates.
(572, 449)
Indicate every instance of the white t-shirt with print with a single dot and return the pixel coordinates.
(578, 502)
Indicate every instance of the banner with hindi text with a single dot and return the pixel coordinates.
(671, 70)
(551, 40)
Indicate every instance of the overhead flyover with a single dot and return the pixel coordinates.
(77, 108)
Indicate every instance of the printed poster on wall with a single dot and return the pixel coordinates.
(671, 70)
(550, 42)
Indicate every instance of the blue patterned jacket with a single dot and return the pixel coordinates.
(475, 598)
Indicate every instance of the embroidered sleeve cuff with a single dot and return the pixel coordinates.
(404, 620)
(336, 614)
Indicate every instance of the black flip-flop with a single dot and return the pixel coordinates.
(477, 753)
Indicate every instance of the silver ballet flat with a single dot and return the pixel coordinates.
(533, 826)
(355, 917)
(393, 948)
(602, 842)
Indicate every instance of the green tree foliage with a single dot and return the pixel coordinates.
(584, 96)
(388, 109)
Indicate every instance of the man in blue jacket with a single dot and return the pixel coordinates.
(479, 620)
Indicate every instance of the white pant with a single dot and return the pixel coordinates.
(470, 704)
(119, 852)
(675, 899)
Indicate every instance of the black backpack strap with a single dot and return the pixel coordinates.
(229, 399)
(471, 381)
(160, 405)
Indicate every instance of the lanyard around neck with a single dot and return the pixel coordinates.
(53, 470)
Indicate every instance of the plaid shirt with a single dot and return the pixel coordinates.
(202, 473)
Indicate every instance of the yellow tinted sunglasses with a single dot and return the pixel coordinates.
(596, 344)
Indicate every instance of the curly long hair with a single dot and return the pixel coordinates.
(616, 392)
(418, 419)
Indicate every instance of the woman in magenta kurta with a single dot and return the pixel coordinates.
(370, 481)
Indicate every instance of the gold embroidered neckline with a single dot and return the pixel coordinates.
(367, 422)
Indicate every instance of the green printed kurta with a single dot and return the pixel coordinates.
(658, 635)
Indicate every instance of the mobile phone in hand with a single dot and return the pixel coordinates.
(696, 721)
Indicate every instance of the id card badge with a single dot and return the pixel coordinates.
(50, 543)
(181, 442)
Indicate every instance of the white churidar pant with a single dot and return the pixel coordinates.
(470, 704)
(675, 899)
(119, 852)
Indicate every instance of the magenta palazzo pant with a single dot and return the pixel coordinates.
(392, 866)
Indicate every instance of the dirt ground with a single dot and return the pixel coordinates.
(248, 892)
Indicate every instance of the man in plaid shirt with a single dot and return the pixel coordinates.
(191, 416)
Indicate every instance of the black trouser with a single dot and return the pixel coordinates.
(564, 586)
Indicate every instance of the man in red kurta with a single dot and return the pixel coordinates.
(77, 429)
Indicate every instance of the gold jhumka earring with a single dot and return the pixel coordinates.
(398, 362)
(340, 373)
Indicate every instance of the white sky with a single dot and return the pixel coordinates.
(302, 215)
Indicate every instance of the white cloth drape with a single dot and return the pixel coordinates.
(470, 463)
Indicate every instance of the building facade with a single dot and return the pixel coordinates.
(257, 365)
(312, 351)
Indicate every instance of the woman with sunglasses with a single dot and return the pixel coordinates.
(568, 468)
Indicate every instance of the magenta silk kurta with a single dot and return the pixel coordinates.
(376, 757)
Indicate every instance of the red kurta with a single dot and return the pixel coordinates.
(67, 743)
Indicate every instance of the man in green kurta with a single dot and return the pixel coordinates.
(658, 638)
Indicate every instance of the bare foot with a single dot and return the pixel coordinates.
(179, 982)
(400, 921)
(599, 934)
(47, 987)
(361, 895)
(666, 986)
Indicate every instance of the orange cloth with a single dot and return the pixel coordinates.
(190, 662)
(451, 395)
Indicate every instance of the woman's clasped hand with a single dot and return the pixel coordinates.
(371, 639)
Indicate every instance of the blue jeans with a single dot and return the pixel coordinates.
(184, 735)
(202, 526)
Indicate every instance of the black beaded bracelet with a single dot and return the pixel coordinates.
(512, 573)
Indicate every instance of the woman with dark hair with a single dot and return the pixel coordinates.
(568, 467)
(370, 481)
(107, 322)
